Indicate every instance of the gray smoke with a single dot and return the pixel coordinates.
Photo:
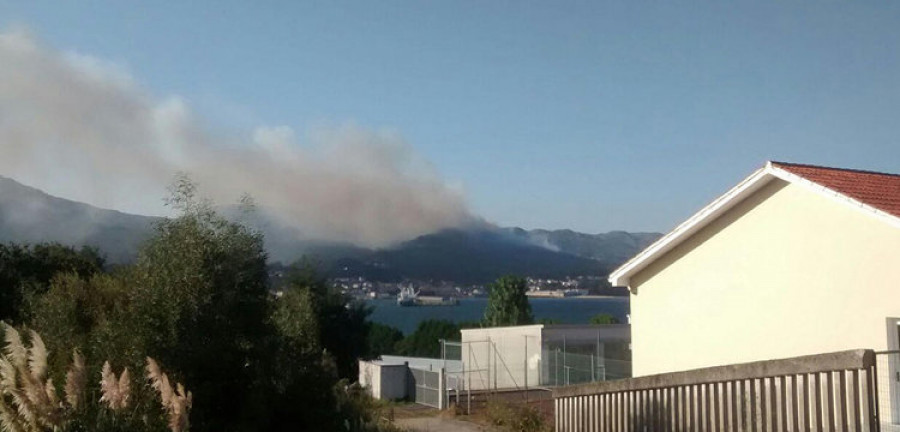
(82, 128)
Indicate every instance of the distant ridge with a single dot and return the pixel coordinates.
(28, 215)
(476, 255)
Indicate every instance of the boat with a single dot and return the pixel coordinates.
(436, 301)
(407, 296)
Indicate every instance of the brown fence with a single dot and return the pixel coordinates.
(825, 392)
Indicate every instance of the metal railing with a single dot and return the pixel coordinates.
(825, 392)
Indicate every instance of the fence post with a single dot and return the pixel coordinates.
(525, 364)
(468, 380)
(442, 388)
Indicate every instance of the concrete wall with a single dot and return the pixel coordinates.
(787, 272)
(502, 357)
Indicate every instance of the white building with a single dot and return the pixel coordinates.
(544, 355)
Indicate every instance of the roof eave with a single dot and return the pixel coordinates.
(622, 275)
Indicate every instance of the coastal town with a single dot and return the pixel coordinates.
(578, 286)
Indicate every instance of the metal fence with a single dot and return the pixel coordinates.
(888, 364)
(561, 368)
(825, 392)
(490, 368)
(427, 387)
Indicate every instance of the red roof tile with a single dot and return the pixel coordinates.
(879, 190)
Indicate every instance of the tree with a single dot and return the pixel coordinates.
(26, 271)
(341, 320)
(604, 318)
(507, 303)
(425, 341)
(382, 339)
(198, 300)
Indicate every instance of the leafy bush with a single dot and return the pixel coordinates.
(511, 417)
(604, 318)
(26, 271)
(424, 342)
(198, 300)
(382, 339)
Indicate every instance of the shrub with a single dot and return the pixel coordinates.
(512, 417)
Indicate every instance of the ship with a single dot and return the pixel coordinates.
(407, 296)
(410, 297)
(572, 292)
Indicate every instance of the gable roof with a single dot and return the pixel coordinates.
(877, 194)
(879, 190)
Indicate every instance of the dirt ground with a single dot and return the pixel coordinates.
(438, 424)
(419, 418)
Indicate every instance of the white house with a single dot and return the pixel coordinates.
(794, 260)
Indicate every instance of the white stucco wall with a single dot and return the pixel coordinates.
(787, 272)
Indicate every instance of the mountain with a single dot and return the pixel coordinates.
(28, 215)
(476, 255)
(612, 247)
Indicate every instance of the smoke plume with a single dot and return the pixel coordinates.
(84, 129)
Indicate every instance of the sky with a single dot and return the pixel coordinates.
(592, 116)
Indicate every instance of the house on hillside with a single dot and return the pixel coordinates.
(794, 260)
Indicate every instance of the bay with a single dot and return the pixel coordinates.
(572, 310)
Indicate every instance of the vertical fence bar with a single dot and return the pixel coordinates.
(773, 404)
(842, 394)
(817, 397)
(676, 409)
(752, 412)
(795, 403)
(782, 404)
(691, 407)
(829, 381)
(707, 407)
(741, 412)
(856, 402)
(717, 412)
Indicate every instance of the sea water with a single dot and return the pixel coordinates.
(571, 310)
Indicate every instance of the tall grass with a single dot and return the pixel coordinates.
(29, 401)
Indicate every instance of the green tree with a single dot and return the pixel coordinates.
(26, 271)
(425, 341)
(382, 339)
(507, 303)
(198, 300)
(604, 318)
(201, 305)
(341, 321)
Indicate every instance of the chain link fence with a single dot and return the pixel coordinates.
(888, 379)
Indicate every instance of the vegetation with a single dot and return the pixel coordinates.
(424, 342)
(382, 339)
(604, 318)
(507, 303)
(26, 271)
(197, 300)
(340, 322)
(512, 417)
(29, 400)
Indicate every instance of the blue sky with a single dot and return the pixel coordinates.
(592, 116)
